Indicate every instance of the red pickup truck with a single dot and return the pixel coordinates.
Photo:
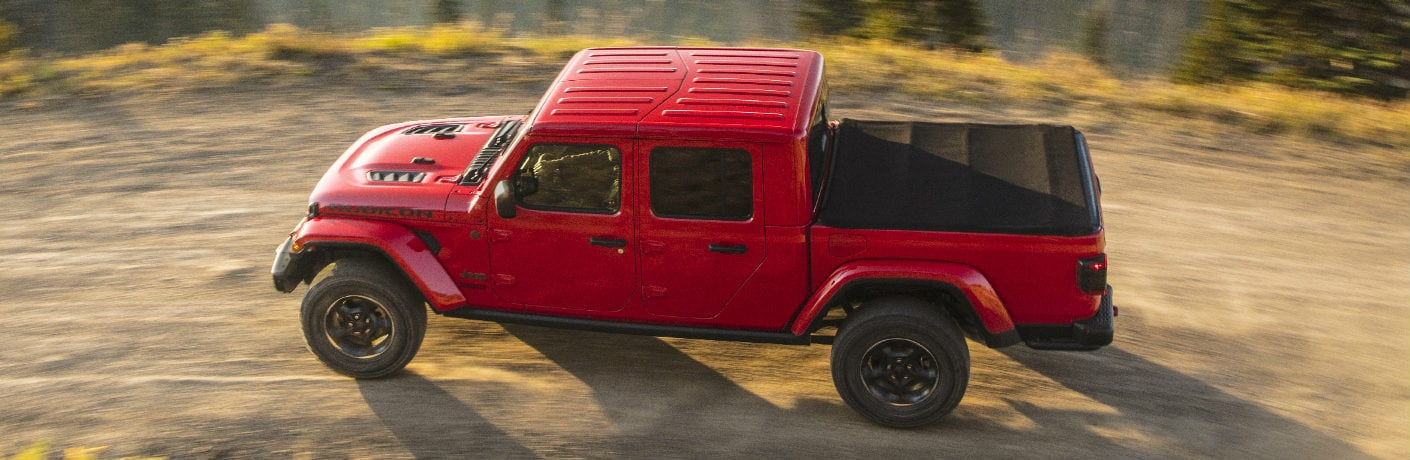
(705, 193)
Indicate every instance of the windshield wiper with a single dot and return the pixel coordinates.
(492, 149)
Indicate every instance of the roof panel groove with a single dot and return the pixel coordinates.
(742, 81)
(748, 62)
(776, 73)
(627, 62)
(745, 91)
(628, 53)
(606, 100)
(596, 112)
(723, 114)
(741, 102)
(631, 70)
(743, 55)
(616, 89)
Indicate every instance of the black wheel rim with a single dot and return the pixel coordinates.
(358, 326)
(899, 372)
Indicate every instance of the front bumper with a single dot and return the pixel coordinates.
(289, 267)
(1083, 335)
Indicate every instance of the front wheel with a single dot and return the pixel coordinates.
(363, 320)
(900, 362)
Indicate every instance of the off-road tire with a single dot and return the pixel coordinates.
(363, 320)
(900, 362)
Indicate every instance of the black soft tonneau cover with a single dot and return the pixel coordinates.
(960, 177)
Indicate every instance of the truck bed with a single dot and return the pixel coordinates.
(960, 177)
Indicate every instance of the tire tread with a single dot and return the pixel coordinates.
(901, 317)
(376, 278)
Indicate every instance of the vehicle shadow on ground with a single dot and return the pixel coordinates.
(432, 423)
(1166, 404)
(662, 401)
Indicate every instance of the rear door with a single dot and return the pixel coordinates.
(701, 228)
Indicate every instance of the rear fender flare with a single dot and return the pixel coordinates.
(983, 302)
(411, 255)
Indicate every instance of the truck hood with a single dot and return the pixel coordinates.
(404, 170)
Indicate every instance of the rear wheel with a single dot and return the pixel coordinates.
(900, 362)
(363, 320)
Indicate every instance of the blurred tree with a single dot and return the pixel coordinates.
(86, 25)
(1351, 46)
(9, 35)
(234, 16)
(555, 18)
(956, 24)
(831, 17)
(960, 24)
(33, 21)
(445, 11)
(1096, 34)
(314, 15)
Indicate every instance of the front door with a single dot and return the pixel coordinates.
(567, 247)
(701, 234)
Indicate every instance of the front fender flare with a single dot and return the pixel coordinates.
(968, 281)
(399, 244)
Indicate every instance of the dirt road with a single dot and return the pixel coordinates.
(1264, 286)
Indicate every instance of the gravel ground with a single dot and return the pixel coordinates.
(1263, 286)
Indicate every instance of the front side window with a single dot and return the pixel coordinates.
(570, 177)
(702, 183)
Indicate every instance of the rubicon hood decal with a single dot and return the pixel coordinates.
(382, 211)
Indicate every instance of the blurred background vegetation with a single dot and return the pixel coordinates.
(1268, 65)
(1143, 35)
(1348, 46)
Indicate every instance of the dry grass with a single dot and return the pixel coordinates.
(952, 76)
(1267, 108)
(1074, 82)
(1067, 81)
(41, 451)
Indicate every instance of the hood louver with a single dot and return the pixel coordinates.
(395, 176)
(445, 128)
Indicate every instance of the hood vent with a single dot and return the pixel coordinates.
(395, 176)
(446, 128)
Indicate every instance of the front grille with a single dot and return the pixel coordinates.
(395, 176)
(433, 129)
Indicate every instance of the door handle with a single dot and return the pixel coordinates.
(608, 242)
(726, 248)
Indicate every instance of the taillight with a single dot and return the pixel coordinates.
(1091, 274)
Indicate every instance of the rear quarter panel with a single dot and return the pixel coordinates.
(1033, 276)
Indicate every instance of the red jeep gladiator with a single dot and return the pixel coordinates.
(704, 193)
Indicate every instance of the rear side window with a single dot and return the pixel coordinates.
(570, 177)
(702, 183)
